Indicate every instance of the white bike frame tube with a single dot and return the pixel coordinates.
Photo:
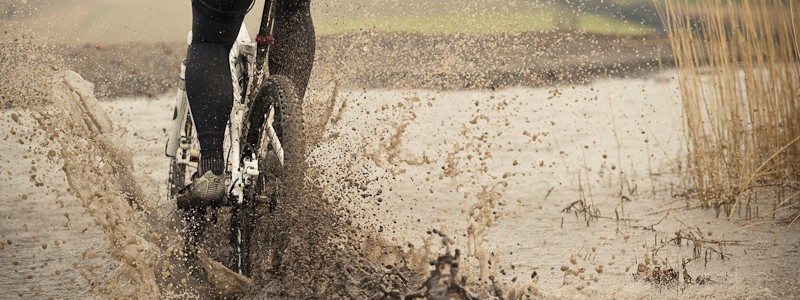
(239, 173)
(180, 112)
(178, 118)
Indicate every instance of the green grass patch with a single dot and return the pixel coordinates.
(607, 25)
(542, 20)
(488, 23)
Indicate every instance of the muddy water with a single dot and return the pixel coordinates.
(495, 171)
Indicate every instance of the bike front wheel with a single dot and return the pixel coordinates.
(275, 180)
(278, 92)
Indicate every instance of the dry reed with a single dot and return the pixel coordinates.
(739, 73)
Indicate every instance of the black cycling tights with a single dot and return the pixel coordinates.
(215, 25)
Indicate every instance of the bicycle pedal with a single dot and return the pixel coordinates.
(263, 200)
(270, 202)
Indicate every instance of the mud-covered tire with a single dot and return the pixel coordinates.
(289, 124)
(290, 128)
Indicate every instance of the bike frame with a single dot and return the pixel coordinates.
(242, 170)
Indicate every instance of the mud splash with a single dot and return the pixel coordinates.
(309, 245)
(99, 174)
(96, 163)
(305, 230)
(369, 154)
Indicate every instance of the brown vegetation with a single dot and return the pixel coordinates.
(739, 71)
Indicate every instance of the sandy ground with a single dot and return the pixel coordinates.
(493, 170)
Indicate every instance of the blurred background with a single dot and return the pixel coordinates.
(112, 21)
(449, 44)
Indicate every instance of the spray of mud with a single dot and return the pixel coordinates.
(95, 164)
(330, 243)
(324, 252)
(357, 157)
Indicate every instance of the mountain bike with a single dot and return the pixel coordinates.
(264, 144)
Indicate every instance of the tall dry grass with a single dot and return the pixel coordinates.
(739, 72)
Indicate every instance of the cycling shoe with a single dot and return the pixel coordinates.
(206, 190)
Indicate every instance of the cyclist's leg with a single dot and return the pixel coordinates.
(293, 53)
(215, 25)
